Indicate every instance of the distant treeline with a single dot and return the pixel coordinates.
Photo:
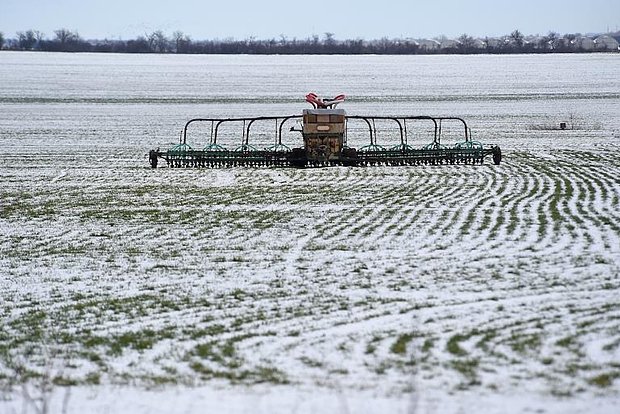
(157, 42)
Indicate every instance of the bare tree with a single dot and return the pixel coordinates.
(150, 39)
(553, 40)
(39, 36)
(383, 44)
(488, 44)
(64, 36)
(543, 43)
(26, 40)
(517, 38)
(158, 42)
(68, 41)
(329, 39)
(139, 45)
(466, 42)
(180, 41)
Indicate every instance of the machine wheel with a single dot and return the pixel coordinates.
(349, 156)
(153, 158)
(497, 155)
(298, 158)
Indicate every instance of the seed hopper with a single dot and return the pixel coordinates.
(325, 132)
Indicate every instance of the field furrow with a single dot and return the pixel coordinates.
(422, 284)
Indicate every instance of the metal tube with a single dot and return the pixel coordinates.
(220, 121)
(217, 126)
(365, 119)
(374, 130)
(247, 133)
(286, 118)
(461, 120)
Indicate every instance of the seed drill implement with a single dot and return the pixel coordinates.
(325, 135)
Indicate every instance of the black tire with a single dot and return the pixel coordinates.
(298, 158)
(497, 155)
(153, 158)
(349, 157)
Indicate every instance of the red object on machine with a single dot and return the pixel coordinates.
(317, 102)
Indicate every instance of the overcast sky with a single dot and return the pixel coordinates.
(347, 19)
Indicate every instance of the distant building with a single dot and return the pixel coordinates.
(606, 43)
(493, 42)
(583, 43)
(563, 43)
(479, 44)
(428, 44)
(538, 42)
(449, 44)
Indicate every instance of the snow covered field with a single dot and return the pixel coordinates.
(391, 289)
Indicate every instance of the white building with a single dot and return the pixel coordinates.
(428, 44)
(584, 43)
(538, 42)
(606, 43)
(479, 44)
(449, 44)
(493, 42)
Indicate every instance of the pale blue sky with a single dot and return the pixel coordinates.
(348, 19)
